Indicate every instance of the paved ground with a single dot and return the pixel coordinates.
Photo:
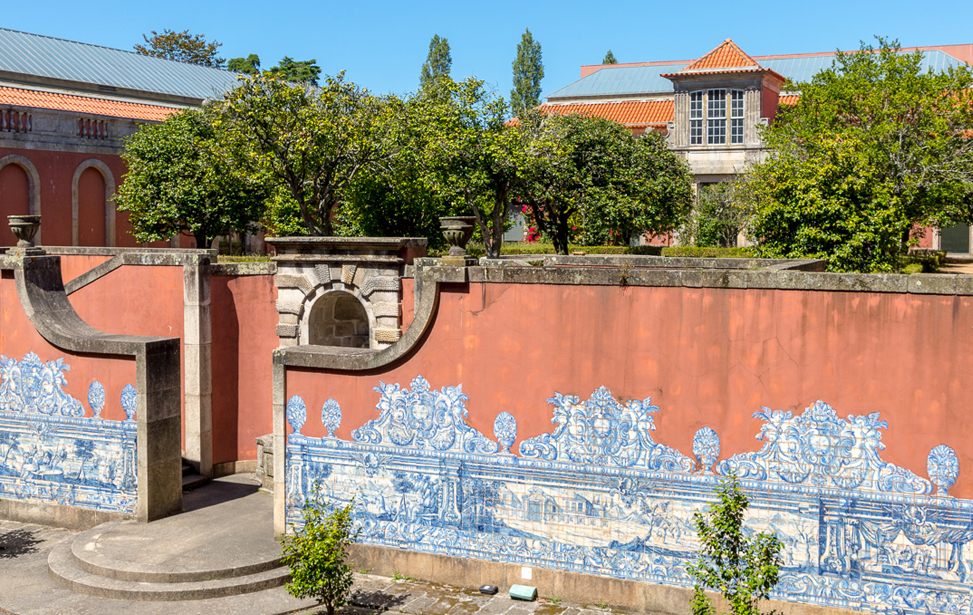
(26, 587)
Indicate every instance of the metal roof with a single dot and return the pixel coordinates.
(632, 80)
(57, 59)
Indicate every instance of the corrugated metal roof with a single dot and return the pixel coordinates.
(83, 104)
(633, 80)
(54, 58)
(622, 80)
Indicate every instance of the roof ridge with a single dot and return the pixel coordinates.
(722, 62)
(134, 53)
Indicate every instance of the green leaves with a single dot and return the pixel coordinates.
(310, 141)
(181, 47)
(179, 181)
(745, 570)
(317, 555)
(874, 147)
(528, 69)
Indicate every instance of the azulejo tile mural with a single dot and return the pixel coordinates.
(599, 495)
(51, 451)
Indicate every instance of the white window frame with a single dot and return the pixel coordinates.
(716, 116)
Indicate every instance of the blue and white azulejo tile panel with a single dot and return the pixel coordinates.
(599, 495)
(52, 452)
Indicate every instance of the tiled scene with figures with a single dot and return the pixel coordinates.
(602, 494)
(53, 449)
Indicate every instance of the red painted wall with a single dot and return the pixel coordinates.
(14, 199)
(56, 171)
(707, 357)
(136, 300)
(244, 316)
(18, 337)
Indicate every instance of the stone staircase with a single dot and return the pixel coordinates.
(191, 478)
(222, 545)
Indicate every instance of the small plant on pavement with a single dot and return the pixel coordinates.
(317, 555)
(743, 569)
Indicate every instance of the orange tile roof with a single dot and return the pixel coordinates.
(83, 104)
(726, 55)
(788, 99)
(630, 113)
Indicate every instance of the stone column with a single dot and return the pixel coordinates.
(679, 137)
(751, 116)
(198, 350)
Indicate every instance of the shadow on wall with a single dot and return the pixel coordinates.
(338, 319)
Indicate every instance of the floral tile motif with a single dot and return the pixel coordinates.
(599, 495)
(51, 451)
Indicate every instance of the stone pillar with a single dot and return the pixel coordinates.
(159, 426)
(751, 116)
(679, 136)
(198, 349)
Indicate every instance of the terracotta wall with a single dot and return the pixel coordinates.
(18, 337)
(133, 300)
(244, 317)
(56, 171)
(707, 357)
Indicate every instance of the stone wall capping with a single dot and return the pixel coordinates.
(337, 258)
(320, 244)
(243, 269)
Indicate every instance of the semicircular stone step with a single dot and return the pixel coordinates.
(121, 550)
(63, 568)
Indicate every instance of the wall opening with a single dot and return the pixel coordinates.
(91, 208)
(338, 319)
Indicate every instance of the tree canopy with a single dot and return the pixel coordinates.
(182, 47)
(179, 182)
(311, 141)
(528, 68)
(590, 178)
(303, 71)
(877, 114)
(609, 58)
(249, 65)
(438, 63)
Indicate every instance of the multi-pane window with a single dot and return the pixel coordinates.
(715, 117)
(736, 116)
(695, 118)
(715, 103)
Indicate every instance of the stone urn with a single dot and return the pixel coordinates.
(457, 230)
(24, 227)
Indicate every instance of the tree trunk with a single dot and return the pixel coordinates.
(202, 241)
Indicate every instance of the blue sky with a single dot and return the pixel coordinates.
(382, 44)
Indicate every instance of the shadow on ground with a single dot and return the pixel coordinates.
(15, 543)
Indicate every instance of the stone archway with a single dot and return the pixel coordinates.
(338, 318)
(109, 178)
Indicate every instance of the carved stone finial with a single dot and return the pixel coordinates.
(24, 227)
(457, 230)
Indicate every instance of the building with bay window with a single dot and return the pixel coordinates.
(710, 109)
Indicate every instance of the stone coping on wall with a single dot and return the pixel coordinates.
(641, 271)
(653, 262)
(163, 257)
(243, 268)
(326, 248)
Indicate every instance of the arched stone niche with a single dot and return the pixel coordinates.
(338, 318)
(326, 284)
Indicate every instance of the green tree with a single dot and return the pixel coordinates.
(909, 127)
(609, 58)
(249, 65)
(437, 65)
(744, 569)
(528, 70)
(182, 47)
(304, 71)
(718, 217)
(312, 141)
(317, 555)
(178, 181)
(591, 174)
(650, 192)
(472, 158)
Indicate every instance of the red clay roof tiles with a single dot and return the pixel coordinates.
(83, 104)
(726, 55)
(631, 113)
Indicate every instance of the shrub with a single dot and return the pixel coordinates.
(694, 252)
(317, 556)
(745, 569)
